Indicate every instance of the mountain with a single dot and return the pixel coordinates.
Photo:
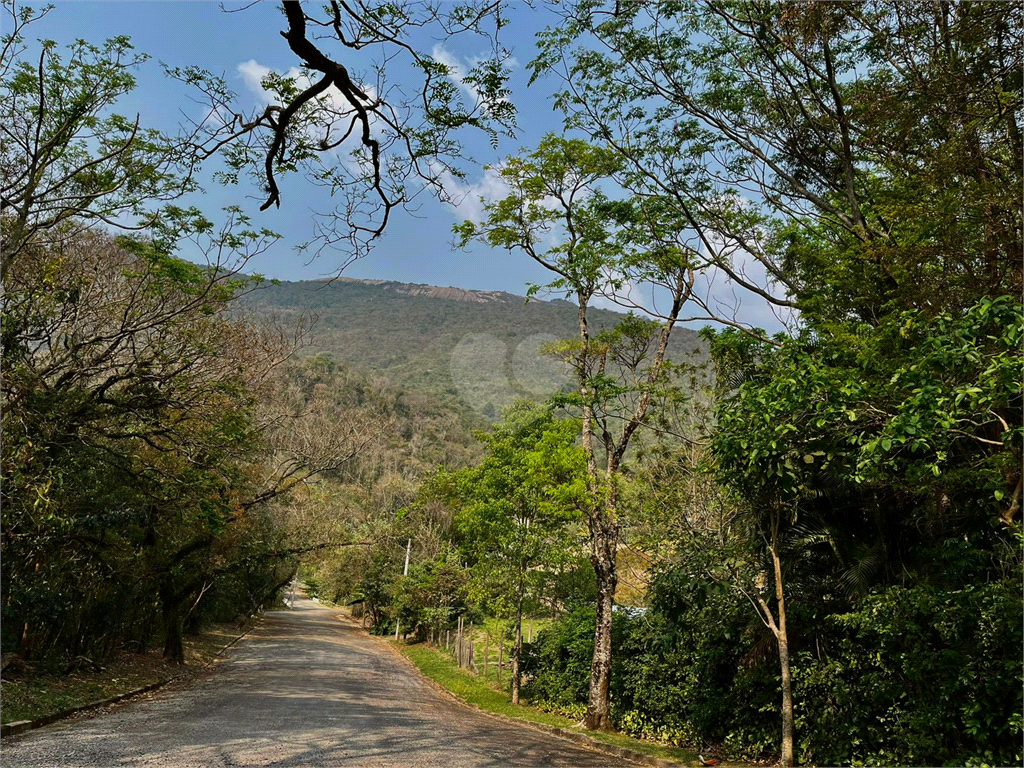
(481, 348)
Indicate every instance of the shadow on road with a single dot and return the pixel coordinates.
(305, 689)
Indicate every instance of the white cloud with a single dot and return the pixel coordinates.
(331, 125)
(621, 294)
(726, 298)
(457, 72)
(252, 73)
(468, 198)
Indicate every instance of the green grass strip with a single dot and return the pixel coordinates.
(442, 669)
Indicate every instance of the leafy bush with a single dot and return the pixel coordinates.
(674, 667)
(918, 676)
(574, 711)
(908, 676)
(557, 665)
(691, 645)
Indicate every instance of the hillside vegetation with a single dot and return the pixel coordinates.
(475, 348)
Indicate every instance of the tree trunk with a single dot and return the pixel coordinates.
(598, 715)
(23, 644)
(172, 605)
(778, 628)
(174, 648)
(517, 647)
(788, 728)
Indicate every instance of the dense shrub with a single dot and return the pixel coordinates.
(918, 677)
(678, 661)
(908, 676)
(557, 664)
(675, 670)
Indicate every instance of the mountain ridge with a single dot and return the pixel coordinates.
(450, 292)
(481, 349)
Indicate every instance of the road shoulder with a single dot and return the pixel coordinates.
(413, 656)
(48, 699)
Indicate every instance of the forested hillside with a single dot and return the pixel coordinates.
(467, 348)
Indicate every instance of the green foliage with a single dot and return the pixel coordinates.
(868, 156)
(441, 668)
(130, 396)
(558, 662)
(357, 325)
(375, 589)
(910, 398)
(915, 676)
(89, 164)
(566, 172)
(916, 414)
(918, 676)
(130, 402)
(515, 510)
(895, 446)
(682, 673)
(432, 596)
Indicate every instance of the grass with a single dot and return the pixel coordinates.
(486, 636)
(45, 694)
(29, 695)
(442, 669)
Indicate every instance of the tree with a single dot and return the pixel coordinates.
(123, 395)
(66, 156)
(515, 511)
(842, 161)
(892, 441)
(559, 216)
(847, 159)
(127, 404)
(154, 432)
(435, 591)
(150, 426)
(68, 163)
(689, 504)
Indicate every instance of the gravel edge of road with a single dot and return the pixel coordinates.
(597, 746)
(23, 726)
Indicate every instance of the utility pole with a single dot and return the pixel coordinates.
(405, 572)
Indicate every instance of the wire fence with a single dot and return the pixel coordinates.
(483, 653)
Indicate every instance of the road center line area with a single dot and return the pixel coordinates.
(305, 689)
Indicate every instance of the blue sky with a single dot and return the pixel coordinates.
(238, 46)
(415, 248)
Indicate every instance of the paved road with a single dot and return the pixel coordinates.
(305, 689)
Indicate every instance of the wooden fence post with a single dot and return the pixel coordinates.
(501, 648)
(458, 647)
(487, 652)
